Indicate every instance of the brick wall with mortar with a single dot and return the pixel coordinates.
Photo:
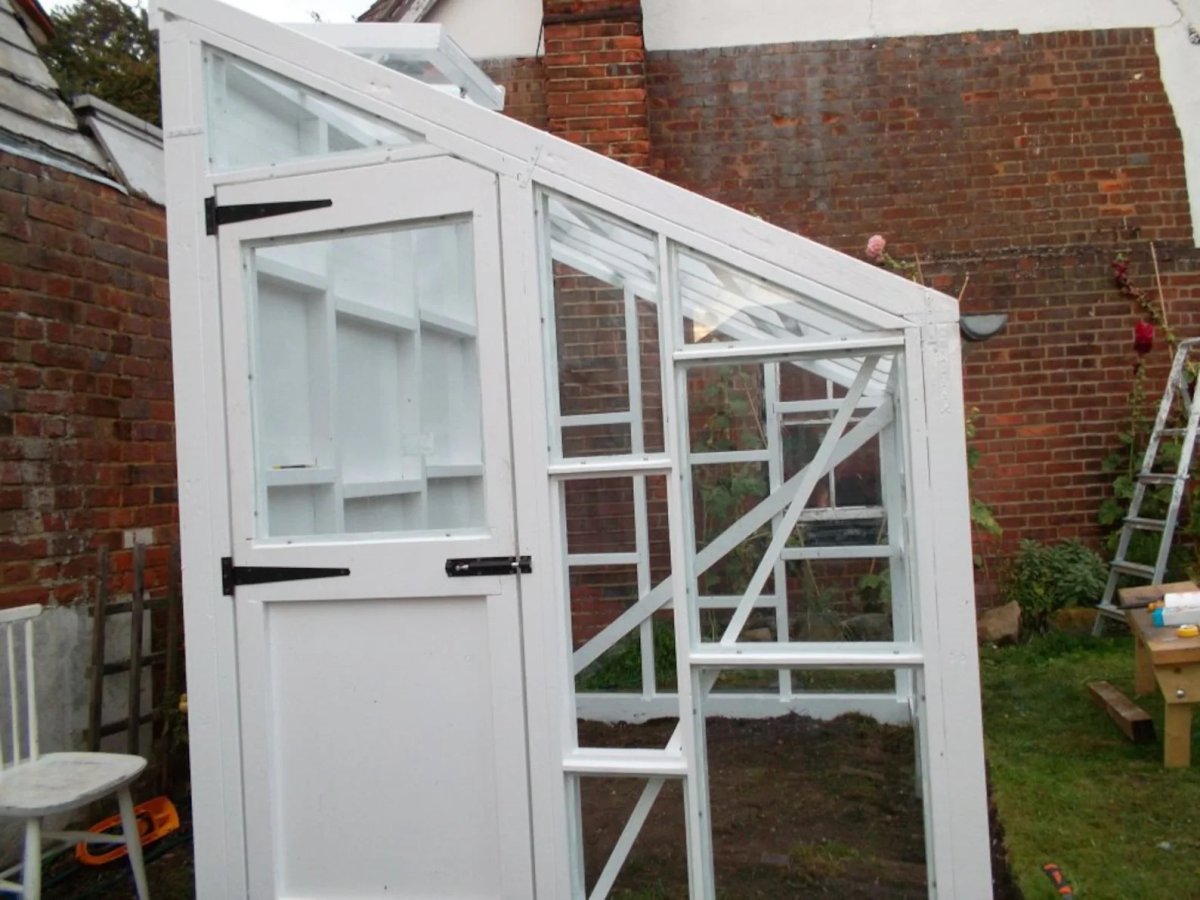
(595, 71)
(1026, 161)
(86, 410)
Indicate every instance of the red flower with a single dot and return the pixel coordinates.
(1143, 337)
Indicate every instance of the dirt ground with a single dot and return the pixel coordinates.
(800, 809)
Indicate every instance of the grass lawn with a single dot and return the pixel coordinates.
(1068, 786)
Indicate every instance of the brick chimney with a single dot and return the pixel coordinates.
(595, 69)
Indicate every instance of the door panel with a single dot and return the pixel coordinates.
(428, 824)
(368, 431)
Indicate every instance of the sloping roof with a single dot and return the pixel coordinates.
(774, 271)
(397, 11)
(33, 116)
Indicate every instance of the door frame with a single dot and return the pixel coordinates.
(394, 193)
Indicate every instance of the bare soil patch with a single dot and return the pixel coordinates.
(800, 808)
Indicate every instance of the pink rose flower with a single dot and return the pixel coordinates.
(875, 248)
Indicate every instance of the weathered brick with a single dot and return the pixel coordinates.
(95, 255)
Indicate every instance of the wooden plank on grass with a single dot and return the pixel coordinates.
(1134, 722)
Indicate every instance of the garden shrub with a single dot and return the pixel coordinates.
(1045, 578)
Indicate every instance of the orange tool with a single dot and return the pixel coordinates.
(156, 818)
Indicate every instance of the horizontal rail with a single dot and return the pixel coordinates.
(625, 762)
(801, 655)
(603, 559)
(610, 466)
(618, 707)
(719, 457)
(782, 351)
(607, 418)
(875, 551)
(831, 404)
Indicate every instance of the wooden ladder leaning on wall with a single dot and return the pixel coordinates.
(140, 660)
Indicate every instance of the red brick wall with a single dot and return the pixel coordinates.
(1027, 162)
(525, 89)
(595, 68)
(86, 414)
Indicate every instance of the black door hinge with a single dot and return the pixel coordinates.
(489, 565)
(216, 216)
(232, 576)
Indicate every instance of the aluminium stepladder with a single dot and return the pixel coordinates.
(1177, 390)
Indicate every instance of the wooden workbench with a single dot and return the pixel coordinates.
(1174, 663)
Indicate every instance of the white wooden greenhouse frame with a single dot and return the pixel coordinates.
(363, 284)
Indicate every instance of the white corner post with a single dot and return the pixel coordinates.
(947, 688)
(214, 741)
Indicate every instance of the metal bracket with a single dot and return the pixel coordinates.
(232, 576)
(216, 216)
(489, 565)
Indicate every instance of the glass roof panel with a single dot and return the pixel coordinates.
(423, 51)
(603, 247)
(722, 303)
(257, 118)
(718, 302)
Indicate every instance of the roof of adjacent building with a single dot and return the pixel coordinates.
(94, 139)
(33, 115)
(397, 11)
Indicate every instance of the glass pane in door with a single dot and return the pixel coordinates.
(365, 387)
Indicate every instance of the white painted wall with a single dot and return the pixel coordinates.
(691, 24)
(489, 29)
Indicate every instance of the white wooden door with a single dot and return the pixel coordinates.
(381, 705)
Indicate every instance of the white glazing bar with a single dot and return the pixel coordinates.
(724, 457)
(30, 692)
(843, 513)
(608, 418)
(753, 519)
(616, 466)
(637, 437)
(690, 730)
(641, 532)
(619, 256)
(13, 706)
(774, 433)
(830, 405)
(549, 329)
(877, 551)
(783, 351)
(575, 838)
(892, 469)
(602, 559)
(798, 501)
(629, 833)
(809, 655)
(729, 601)
(883, 707)
(569, 726)
(593, 263)
(625, 762)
